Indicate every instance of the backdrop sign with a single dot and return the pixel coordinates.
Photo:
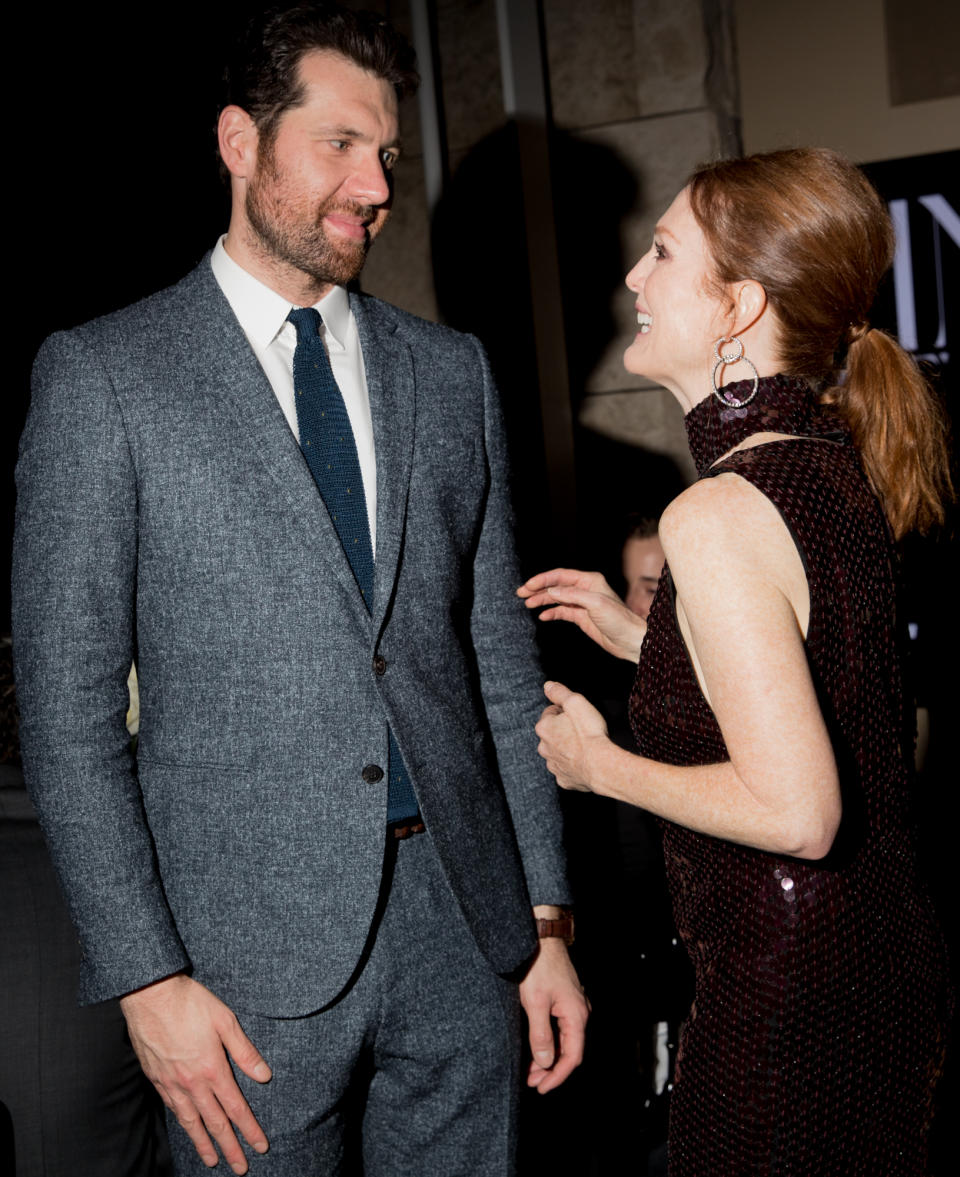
(920, 301)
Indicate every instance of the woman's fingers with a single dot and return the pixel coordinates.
(560, 578)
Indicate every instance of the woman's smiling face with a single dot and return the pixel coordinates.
(679, 312)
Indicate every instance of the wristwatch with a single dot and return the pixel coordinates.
(562, 926)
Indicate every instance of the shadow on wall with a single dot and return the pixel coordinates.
(482, 279)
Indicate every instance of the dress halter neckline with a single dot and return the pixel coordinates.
(783, 404)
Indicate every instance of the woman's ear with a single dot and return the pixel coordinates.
(749, 301)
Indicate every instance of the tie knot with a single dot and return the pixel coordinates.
(307, 322)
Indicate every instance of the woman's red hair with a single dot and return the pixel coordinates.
(807, 224)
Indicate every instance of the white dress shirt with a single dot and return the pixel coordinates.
(262, 313)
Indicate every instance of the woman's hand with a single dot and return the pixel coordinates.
(589, 602)
(571, 731)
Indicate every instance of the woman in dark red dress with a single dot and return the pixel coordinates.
(768, 709)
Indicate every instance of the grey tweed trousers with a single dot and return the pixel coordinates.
(412, 1070)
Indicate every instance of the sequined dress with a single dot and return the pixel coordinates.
(817, 1031)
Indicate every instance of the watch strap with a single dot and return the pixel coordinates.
(561, 927)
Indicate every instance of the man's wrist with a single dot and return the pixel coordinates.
(153, 990)
(554, 921)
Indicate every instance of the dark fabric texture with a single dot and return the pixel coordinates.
(328, 445)
(74, 1097)
(330, 449)
(822, 998)
(783, 405)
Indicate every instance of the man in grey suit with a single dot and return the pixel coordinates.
(288, 506)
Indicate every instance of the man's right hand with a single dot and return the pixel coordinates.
(182, 1034)
(585, 598)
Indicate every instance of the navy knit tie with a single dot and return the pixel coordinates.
(328, 445)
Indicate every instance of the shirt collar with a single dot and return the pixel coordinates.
(262, 313)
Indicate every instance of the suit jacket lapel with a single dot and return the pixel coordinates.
(392, 388)
(226, 367)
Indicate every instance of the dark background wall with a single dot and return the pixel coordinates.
(113, 182)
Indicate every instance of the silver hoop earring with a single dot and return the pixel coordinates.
(732, 357)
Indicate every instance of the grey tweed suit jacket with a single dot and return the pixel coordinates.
(166, 514)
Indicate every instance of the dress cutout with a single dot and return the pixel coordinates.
(819, 1023)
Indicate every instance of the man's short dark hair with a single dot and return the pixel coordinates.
(637, 526)
(262, 75)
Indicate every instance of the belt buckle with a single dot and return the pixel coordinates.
(406, 829)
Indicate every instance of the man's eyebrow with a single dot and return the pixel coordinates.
(353, 134)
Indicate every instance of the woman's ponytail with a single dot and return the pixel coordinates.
(899, 428)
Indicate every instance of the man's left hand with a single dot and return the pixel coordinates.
(551, 992)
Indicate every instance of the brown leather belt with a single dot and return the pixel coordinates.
(406, 830)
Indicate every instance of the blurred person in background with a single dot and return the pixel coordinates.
(642, 563)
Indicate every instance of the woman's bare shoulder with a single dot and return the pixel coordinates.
(724, 533)
(721, 510)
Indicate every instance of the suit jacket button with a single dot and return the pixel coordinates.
(379, 664)
(372, 773)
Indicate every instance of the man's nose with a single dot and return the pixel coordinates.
(370, 183)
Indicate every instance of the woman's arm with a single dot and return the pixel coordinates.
(743, 603)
